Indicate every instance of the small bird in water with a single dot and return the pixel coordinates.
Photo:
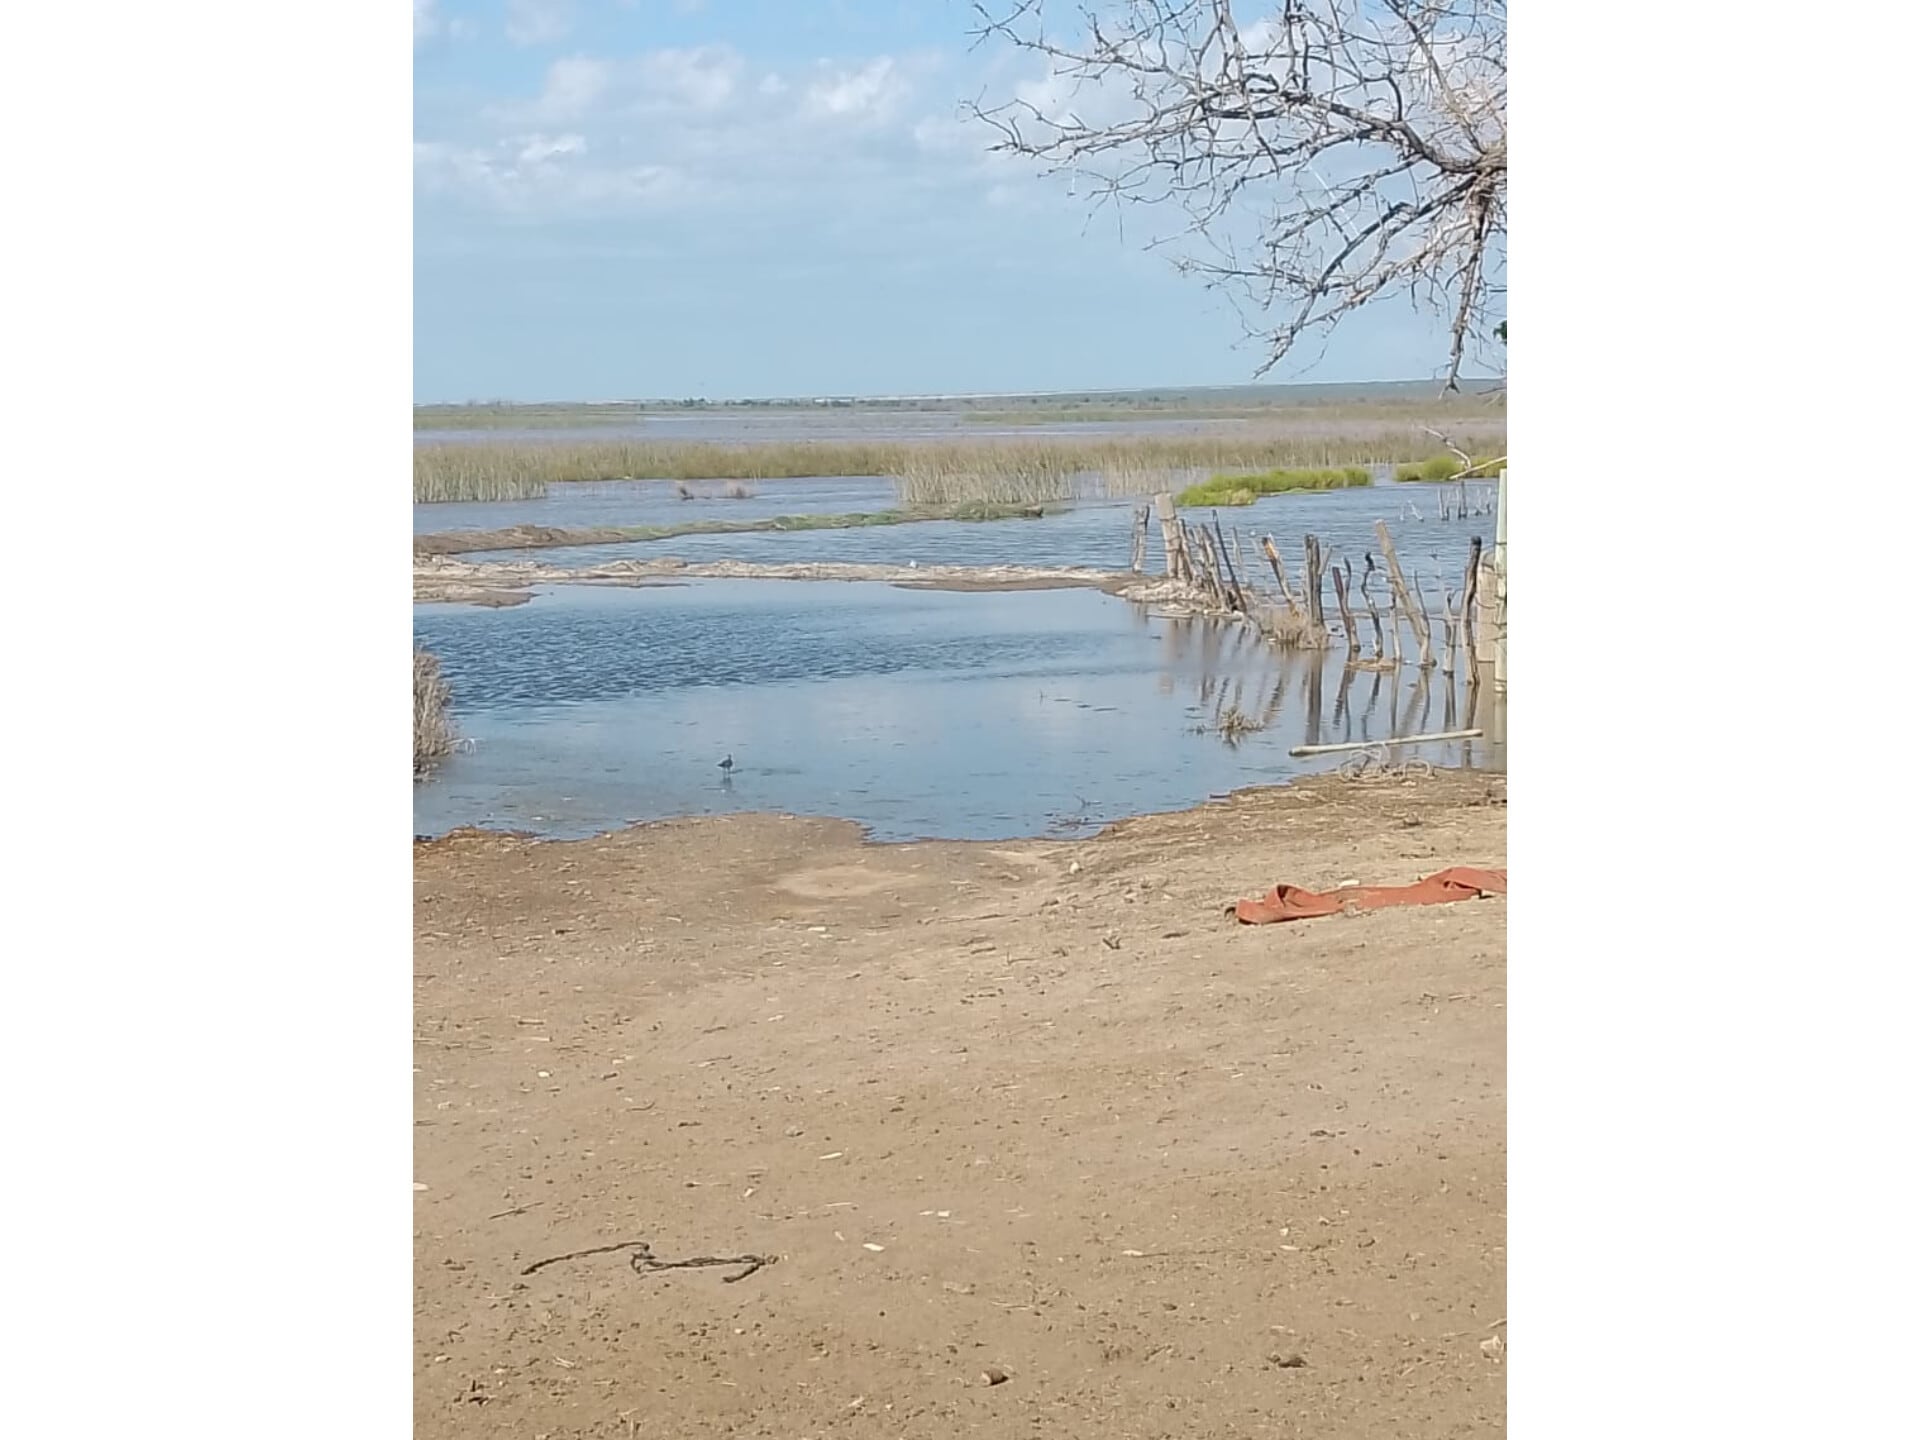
(727, 764)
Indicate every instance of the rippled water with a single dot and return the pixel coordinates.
(917, 713)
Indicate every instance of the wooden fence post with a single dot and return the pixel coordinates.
(1171, 538)
(1237, 598)
(1469, 601)
(1316, 607)
(1416, 616)
(1346, 611)
(1500, 589)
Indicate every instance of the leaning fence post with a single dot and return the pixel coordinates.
(1416, 617)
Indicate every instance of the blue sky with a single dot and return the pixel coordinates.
(732, 198)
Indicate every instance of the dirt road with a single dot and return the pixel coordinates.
(1034, 1108)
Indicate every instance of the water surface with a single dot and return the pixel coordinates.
(916, 713)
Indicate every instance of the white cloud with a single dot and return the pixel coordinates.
(706, 124)
(702, 79)
(544, 174)
(538, 22)
(537, 149)
(572, 86)
(871, 91)
(426, 22)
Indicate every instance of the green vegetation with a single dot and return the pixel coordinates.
(1447, 467)
(1245, 489)
(1036, 471)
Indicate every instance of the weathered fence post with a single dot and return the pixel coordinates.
(1237, 598)
(1316, 607)
(1346, 612)
(1170, 537)
(1469, 602)
(1138, 560)
(1500, 589)
(1279, 565)
(1416, 616)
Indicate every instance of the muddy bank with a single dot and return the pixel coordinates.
(1033, 1108)
(439, 579)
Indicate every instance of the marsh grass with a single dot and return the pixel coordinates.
(1038, 471)
(432, 718)
(926, 473)
(1245, 489)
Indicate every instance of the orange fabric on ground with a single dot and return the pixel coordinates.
(1291, 902)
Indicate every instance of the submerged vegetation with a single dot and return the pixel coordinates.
(1245, 489)
(432, 725)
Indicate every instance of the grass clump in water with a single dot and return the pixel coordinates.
(1245, 489)
(1439, 468)
(432, 719)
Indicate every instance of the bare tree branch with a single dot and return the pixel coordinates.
(1326, 156)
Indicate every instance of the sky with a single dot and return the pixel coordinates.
(626, 199)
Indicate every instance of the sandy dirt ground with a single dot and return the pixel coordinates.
(1037, 1110)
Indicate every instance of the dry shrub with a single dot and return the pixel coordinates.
(432, 720)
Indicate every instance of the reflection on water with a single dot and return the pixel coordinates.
(917, 713)
(1317, 699)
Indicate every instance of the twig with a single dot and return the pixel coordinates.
(642, 1260)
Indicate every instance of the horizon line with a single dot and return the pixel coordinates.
(842, 397)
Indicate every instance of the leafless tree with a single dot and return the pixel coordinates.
(1327, 154)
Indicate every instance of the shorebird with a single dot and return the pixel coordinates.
(727, 764)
